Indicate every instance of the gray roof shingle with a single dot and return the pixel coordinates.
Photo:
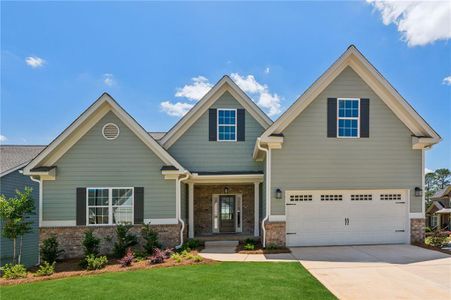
(13, 156)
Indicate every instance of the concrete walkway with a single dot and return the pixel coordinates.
(225, 251)
(379, 272)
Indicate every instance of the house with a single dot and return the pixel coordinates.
(13, 159)
(343, 165)
(439, 211)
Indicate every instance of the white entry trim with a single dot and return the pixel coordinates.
(215, 211)
(277, 218)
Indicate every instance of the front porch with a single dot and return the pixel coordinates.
(224, 207)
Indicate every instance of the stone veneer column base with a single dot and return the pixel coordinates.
(417, 230)
(70, 238)
(275, 233)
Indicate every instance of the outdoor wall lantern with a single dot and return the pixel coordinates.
(418, 192)
(278, 194)
(226, 190)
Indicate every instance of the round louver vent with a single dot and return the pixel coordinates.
(110, 131)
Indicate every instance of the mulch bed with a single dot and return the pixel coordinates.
(70, 268)
(259, 250)
(433, 248)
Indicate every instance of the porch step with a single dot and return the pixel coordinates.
(221, 244)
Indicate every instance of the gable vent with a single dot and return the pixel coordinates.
(110, 131)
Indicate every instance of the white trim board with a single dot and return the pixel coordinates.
(168, 221)
(354, 59)
(61, 223)
(223, 85)
(85, 122)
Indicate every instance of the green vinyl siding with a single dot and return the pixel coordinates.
(310, 160)
(195, 152)
(30, 252)
(96, 162)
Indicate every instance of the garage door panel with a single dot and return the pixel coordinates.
(337, 217)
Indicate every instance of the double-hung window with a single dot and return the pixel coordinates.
(227, 124)
(108, 206)
(348, 118)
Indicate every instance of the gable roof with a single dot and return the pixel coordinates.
(443, 193)
(224, 84)
(104, 104)
(14, 157)
(353, 58)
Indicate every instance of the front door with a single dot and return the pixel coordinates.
(227, 213)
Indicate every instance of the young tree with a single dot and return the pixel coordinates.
(443, 177)
(15, 213)
(430, 184)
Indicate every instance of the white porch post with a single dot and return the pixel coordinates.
(256, 208)
(191, 210)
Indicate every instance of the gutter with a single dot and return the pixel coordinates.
(179, 205)
(267, 189)
(40, 209)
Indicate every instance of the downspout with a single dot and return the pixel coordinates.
(40, 210)
(179, 206)
(267, 189)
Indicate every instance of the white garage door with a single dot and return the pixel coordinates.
(317, 218)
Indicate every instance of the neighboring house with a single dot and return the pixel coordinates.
(439, 211)
(13, 159)
(343, 165)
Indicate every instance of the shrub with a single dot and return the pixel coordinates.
(150, 237)
(427, 229)
(167, 252)
(140, 255)
(250, 241)
(124, 240)
(91, 243)
(272, 247)
(96, 263)
(177, 257)
(127, 260)
(45, 269)
(191, 244)
(186, 254)
(437, 239)
(157, 257)
(11, 271)
(198, 258)
(249, 247)
(49, 249)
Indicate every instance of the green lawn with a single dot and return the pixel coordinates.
(229, 280)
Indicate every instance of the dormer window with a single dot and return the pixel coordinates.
(226, 125)
(348, 118)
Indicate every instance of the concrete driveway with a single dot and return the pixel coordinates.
(379, 272)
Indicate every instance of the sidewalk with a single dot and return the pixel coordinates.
(225, 251)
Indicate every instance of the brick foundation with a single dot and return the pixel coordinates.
(70, 238)
(203, 206)
(275, 233)
(417, 227)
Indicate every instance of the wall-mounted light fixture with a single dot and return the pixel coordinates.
(278, 194)
(226, 190)
(418, 192)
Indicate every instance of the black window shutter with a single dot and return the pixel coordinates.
(138, 206)
(81, 206)
(212, 124)
(241, 124)
(364, 118)
(331, 117)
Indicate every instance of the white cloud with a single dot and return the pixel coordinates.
(178, 109)
(420, 23)
(3, 138)
(267, 70)
(201, 85)
(196, 90)
(447, 80)
(426, 170)
(259, 92)
(34, 61)
(108, 79)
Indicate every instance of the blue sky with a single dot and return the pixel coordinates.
(57, 58)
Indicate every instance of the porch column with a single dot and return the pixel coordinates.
(439, 221)
(191, 210)
(256, 208)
